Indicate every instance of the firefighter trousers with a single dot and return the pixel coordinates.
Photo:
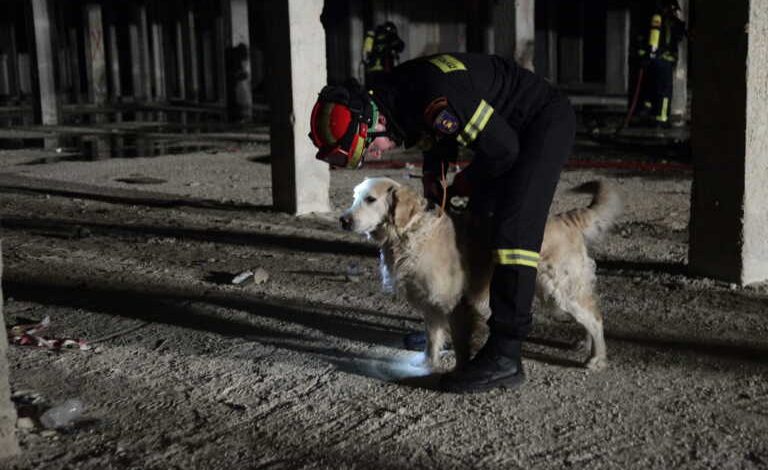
(520, 206)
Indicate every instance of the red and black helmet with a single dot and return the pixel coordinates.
(342, 124)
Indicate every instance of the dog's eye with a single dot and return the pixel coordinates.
(370, 199)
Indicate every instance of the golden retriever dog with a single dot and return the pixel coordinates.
(444, 266)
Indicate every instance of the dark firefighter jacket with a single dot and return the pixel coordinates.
(482, 101)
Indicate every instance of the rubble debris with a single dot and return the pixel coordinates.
(260, 276)
(63, 414)
(29, 335)
(255, 276)
(242, 278)
(25, 423)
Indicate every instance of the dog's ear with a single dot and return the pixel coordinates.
(404, 205)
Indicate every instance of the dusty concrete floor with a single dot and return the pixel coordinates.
(306, 370)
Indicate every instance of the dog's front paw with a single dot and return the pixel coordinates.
(597, 363)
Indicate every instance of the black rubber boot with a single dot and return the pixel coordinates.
(492, 367)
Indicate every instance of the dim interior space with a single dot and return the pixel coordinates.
(180, 288)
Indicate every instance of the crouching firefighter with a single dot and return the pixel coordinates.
(521, 131)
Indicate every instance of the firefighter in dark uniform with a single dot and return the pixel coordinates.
(381, 49)
(657, 55)
(521, 130)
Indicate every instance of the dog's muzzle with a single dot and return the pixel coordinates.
(346, 222)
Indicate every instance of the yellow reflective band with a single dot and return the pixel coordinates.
(668, 57)
(357, 154)
(653, 39)
(476, 124)
(664, 115)
(517, 257)
(447, 63)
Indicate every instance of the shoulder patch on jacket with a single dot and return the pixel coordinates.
(446, 122)
(439, 117)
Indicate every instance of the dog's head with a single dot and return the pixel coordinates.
(381, 204)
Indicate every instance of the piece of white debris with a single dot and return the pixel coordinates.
(242, 278)
(25, 423)
(260, 276)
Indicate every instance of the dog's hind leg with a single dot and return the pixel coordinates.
(587, 313)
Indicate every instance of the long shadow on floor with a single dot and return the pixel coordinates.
(178, 308)
(66, 228)
(24, 184)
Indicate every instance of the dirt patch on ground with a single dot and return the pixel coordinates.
(306, 370)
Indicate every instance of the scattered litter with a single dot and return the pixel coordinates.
(260, 276)
(256, 276)
(25, 423)
(62, 415)
(29, 335)
(242, 278)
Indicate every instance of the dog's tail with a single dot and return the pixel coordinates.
(596, 219)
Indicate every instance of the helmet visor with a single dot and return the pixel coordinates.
(339, 157)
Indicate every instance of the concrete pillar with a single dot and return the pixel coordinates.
(679, 106)
(730, 142)
(8, 38)
(48, 107)
(8, 444)
(114, 63)
(238, 63)
(552, 40)
(158, 60)
(74, 65)
(617, 51)
(181, 72)
(220, 65)
(571, 43)
(193, 67)
(95, 59)
(503, 19)
(5, 88)
(519, 41)
(209, 82)
(300, 183)
(139, 41)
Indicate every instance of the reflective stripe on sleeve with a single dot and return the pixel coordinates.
(476, 124)
(517, 257)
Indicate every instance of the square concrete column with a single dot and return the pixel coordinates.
(300, 183)
(514, 25)
(679, 106)
(8, 445)
(191, 52)
(617, 51)
(48, 108)
(95, 58)
(729, 136)
(237, 45)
